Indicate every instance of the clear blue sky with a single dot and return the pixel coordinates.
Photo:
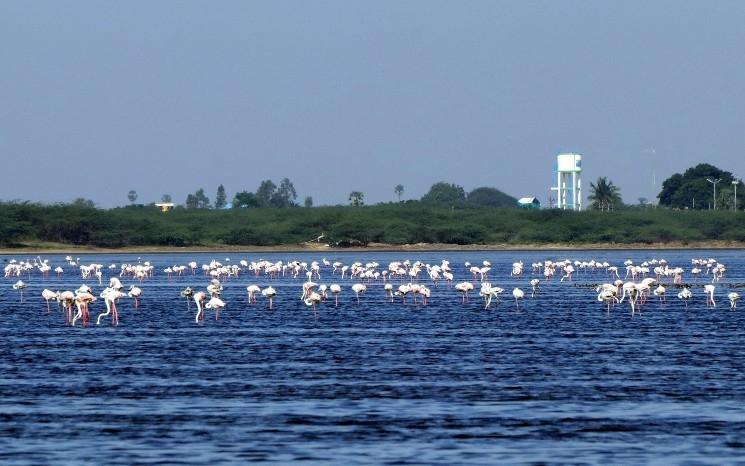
(100, 97)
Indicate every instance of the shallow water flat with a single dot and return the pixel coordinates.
(558, 381)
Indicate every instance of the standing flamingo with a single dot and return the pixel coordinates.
(660, 293)
(49, 295)
(358, 288)
(252, 291)
(388, 287)
(269, 293)
(709, 292)
(518, 294)
(19, 285)
(187, 293)
(135, 292)
(312, 300)
(464, 288)
(68, 299)
(534, 287)
(335, 290)
(607, 296)
(217, 304)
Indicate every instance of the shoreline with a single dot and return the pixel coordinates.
(378, 247)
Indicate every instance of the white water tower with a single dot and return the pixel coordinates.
(568, 181)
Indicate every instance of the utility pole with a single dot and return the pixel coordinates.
(734, 183)
(714, 182)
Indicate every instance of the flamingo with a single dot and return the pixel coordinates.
(388, 287)
(464, 288)
(660, 293)
(709, 292)
(135, 292)
(335, 289)
(733, 297)
(217, 304)
(424, 292)
(187, 293)
(19, 285)
(214, 288)
(308, 289)
(534, 285)
(199, 297)
(518, 294)
(685, 294)
(49, 295)
(269, 293)
(607, 296)
(312, 300)
(110, 295)
(67, 298)
(403, 290)
(489, 292)
(115, 283)
(82, 300)
(358, 288)
(252, 291)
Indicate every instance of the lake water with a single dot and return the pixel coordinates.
(561, 381)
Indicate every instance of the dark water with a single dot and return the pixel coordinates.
(558, 382)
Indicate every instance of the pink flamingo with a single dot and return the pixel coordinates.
(199, 298)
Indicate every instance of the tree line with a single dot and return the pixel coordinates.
(701, 187)
(284, 195)
(80, 223)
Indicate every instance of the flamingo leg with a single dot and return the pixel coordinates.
(115, 317)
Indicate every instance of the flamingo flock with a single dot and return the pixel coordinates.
(417, 281)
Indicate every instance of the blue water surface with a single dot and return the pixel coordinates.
(559, 381)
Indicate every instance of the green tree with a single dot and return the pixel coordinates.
(285, 194)
(191, 202)
(445, 193)
(220, 198)
(690, 190)
(82, 202)
(604, 195)
(399, 190)
(166, 198)
(198, 200)
(203, 202)
(308, 201)
(265, 192)
(246, 199)
(357, 198)
(132, 196)
(491, 197)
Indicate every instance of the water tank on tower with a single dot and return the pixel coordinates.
(568, 181)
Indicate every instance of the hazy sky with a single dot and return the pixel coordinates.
(100, 97)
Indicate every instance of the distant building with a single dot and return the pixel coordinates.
(568, 181)
(528, 203)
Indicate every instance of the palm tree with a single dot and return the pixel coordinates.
(399, 189)
(604, 195)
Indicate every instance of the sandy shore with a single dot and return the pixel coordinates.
(62, 249)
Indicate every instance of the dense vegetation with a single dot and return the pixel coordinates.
(395, 223)
(694, 189)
